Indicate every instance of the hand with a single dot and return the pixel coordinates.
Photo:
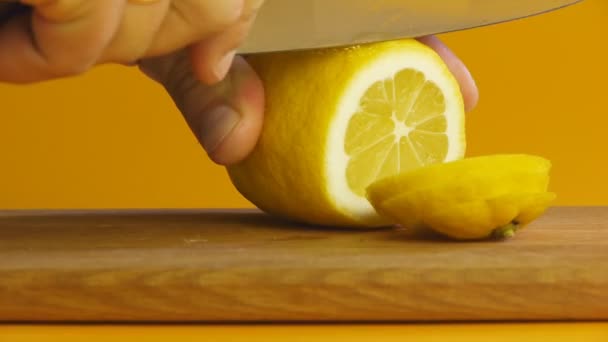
(60, 38)
(186, 45)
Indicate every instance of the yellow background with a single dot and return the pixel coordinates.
(112, 138)
(587, 332)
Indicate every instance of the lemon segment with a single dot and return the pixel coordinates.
(339, 119)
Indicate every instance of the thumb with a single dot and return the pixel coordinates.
(225, 117)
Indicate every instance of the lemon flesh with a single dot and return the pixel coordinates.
(400, 125)
(472, 198)
(337, 120)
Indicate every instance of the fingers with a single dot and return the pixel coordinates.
(468, 87)
(226, 117)
(209, 25)
(139, 25)
(66, 37)
(189, 21)
(213, 56)
(60, 38)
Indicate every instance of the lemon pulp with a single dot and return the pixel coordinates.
(400, 125)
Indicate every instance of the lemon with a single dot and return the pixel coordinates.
(338, 119)
(472, 198)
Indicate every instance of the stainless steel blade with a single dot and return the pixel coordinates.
(305, 24)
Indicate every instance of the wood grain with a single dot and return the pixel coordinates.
(245, 266)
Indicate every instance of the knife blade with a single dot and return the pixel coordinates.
(296, 24)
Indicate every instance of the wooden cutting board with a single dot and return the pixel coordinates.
(245, 266)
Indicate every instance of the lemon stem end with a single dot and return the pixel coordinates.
(505, 231)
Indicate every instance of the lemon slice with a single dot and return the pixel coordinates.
(471, 198)
(339, 119)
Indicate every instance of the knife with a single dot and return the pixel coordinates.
(310, 24)
(299, 24)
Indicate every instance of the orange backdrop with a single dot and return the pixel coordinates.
(112, 138)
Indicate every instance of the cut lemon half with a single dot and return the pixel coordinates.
(338, 119)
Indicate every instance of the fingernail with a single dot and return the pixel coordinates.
(216, 125)
(223, 65)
